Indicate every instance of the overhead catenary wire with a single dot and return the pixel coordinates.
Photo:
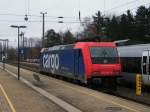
(33, 15)
(59, 21)
(64, 17)
(34, 21)
(134, 8)
(122, 5)
(104, 7)
(28, 7)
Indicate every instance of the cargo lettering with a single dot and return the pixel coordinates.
(51, 61)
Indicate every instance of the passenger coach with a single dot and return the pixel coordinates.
(83, 61)
(135, 59)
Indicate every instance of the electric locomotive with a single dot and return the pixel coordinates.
(83, 61)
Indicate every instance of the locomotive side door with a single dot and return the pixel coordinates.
(76, 62)
(145, 65)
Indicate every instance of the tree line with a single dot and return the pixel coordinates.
(53, 38)
(135, 27)
(126, 26)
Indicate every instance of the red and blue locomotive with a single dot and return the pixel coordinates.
(83, 61)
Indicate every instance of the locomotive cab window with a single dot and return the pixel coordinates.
(103, 55)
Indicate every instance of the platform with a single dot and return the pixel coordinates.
(22, 97)
(5, 104)
(82, 98)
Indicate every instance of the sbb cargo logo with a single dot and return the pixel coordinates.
(51, 61)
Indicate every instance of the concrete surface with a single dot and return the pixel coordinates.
(4, 103)
(23, 98)
(83, 98)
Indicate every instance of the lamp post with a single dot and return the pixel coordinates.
(18, 27)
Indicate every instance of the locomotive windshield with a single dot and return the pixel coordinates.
(103, 55)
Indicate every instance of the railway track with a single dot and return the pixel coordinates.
(129, 94)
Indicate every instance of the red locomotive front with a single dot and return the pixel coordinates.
(101, 60)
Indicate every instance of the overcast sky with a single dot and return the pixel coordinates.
(11, 11)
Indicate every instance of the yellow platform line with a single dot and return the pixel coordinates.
(7, 98)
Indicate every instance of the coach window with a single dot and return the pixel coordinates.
(138, 65)
(144, 64)
(149, 65)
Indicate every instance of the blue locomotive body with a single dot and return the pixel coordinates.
(68, 63)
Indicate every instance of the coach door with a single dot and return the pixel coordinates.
(146, 67)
